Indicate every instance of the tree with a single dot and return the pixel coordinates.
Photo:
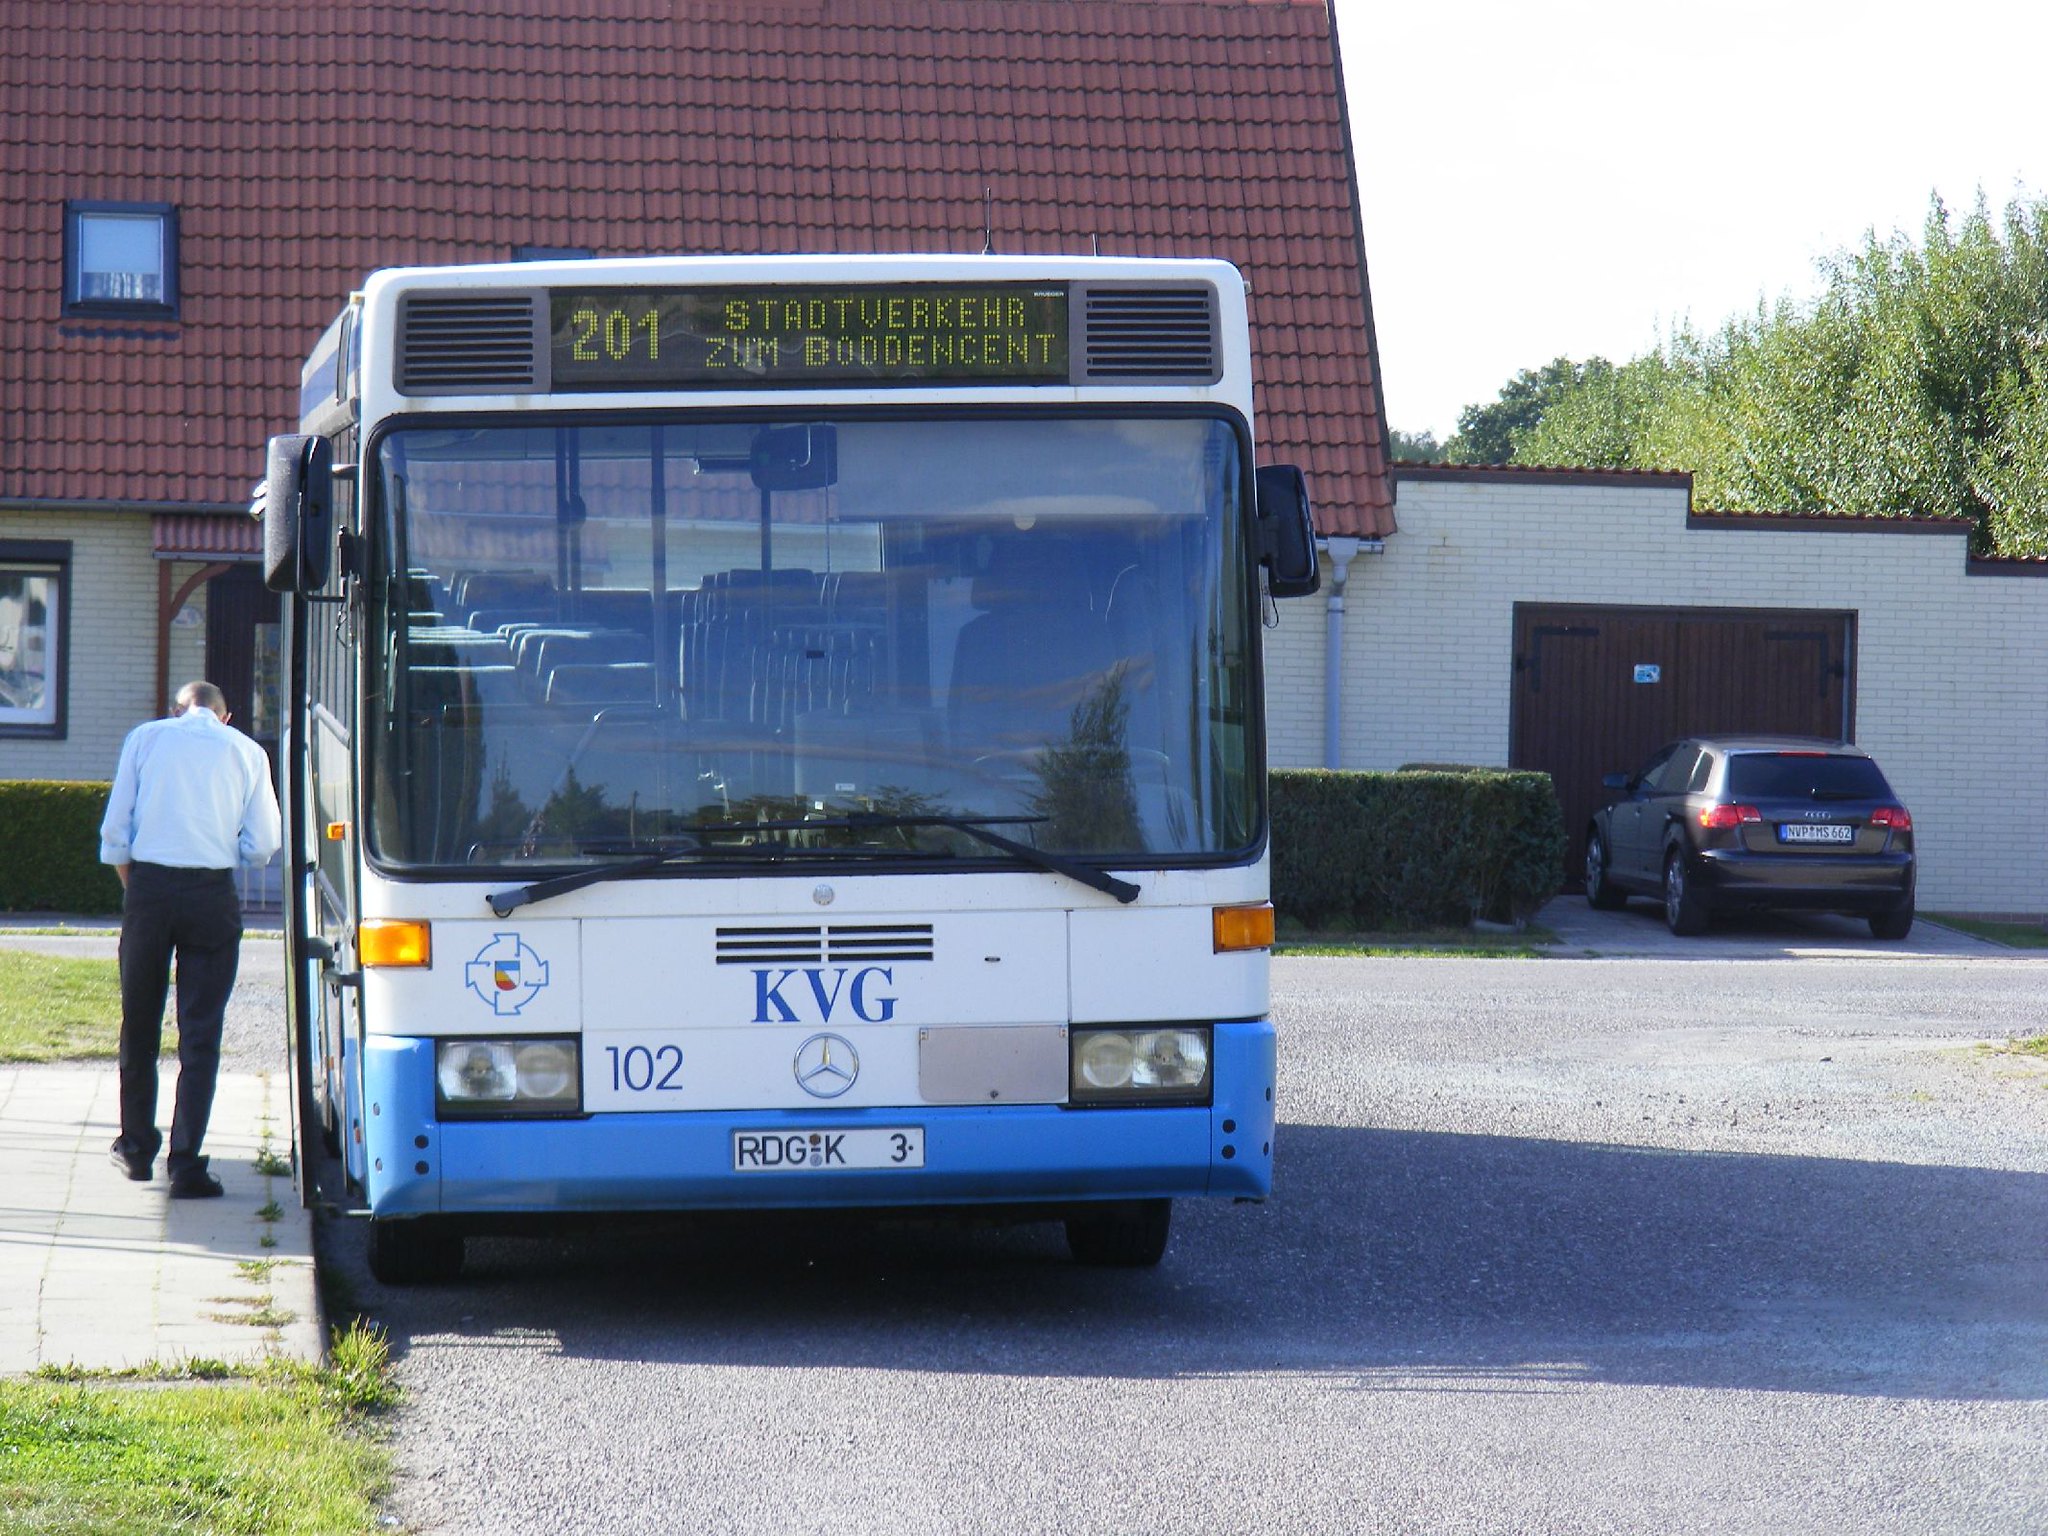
(1487, 433)
(1915, 382)
(1414, 447)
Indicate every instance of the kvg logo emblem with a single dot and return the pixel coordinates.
(788, 995)
(506, 973)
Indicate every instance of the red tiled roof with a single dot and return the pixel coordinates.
(1409, 469)
(206, 536)
(305, 145)
(1922, 522)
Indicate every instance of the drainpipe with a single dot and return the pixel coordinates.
(1342, 551)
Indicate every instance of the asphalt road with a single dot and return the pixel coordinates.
(1557, 1246)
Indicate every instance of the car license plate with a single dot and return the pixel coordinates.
(822, 1151)
(1816, 832)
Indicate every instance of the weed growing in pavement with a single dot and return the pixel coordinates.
(358, 1372)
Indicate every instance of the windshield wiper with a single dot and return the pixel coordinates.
(977, 827)
(505, 903)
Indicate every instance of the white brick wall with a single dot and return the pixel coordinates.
(1951, 680)
(188, 630)
(111, 673)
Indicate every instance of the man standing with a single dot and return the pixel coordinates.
(191, 800)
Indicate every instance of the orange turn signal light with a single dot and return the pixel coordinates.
(390, 941)
(337, 831)
(1244, 928)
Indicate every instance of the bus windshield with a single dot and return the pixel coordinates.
(601, 639)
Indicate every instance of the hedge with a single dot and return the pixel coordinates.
(1384, 852)
(50, 848)
(1374, 852)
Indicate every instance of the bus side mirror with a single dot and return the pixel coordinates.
(298, 513)
(1287, 538)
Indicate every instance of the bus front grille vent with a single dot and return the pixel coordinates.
(1146, 333)
(846, 942)
(460, 344)
(771, 946)
(837, 944)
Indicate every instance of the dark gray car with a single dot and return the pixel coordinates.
(1754, 822)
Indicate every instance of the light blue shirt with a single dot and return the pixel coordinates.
(191, 792)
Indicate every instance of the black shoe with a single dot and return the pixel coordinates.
(195, 1184)
(130, 1162)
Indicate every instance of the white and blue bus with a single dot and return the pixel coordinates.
(780, 733)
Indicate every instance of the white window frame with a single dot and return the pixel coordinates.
(41, 648)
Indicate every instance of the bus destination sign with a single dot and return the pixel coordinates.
(793, 336)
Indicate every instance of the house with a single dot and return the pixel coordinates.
(190, 191)
(1573, 621)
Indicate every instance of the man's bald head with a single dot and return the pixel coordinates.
(205, 695)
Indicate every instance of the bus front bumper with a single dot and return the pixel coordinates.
(416, 1164)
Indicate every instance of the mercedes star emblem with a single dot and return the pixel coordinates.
(826, 1066)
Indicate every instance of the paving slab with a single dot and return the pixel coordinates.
(100, 1272)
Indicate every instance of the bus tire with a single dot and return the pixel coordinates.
(420, 1251)
(1120, 1234)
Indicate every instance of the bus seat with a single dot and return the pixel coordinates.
(540, 651)
(1036, 650)
(451, 648)
(614, 682)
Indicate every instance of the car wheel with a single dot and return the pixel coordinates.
(1600, 891)
(419, 1251)
(1685, 910)
(1895, 924)
(1121, 1234)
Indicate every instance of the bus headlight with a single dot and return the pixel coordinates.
(507, 1077)
(1159, 1065)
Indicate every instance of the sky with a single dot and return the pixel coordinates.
(1578, 177)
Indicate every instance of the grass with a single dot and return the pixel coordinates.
(2035, 1046)
(1433, 942)
(280, 1449)
(2012, 935)
(61, 1008)
(269, 1164)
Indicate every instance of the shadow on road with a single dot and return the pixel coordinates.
(1388, 1257)
(1638, 929)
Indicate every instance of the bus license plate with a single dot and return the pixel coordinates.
(1816, 832)
(822, 1151)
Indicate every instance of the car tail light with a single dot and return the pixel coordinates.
(1893, 816)
(1729, 815)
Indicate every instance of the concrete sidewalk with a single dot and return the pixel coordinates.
(102, 1272)
(99, 1271)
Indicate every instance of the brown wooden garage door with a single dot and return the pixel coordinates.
(1597, 690)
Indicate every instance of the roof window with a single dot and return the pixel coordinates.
(121, 259)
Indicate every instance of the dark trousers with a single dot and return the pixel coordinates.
(195, 915)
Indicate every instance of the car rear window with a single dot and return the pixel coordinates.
(1792, 776)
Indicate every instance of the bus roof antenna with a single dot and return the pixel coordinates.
(988, 220)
